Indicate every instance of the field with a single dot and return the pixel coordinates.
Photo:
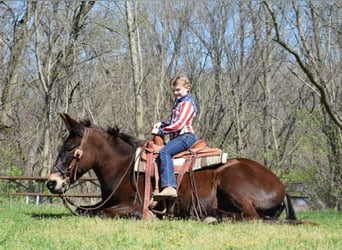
(53, 227)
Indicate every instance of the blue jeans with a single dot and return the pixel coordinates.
(178, 144)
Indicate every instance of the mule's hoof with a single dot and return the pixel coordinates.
(151, 216)
(210, 220)
(80, 211)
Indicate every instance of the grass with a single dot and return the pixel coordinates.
(53, 227)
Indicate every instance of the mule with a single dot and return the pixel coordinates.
(238, 189)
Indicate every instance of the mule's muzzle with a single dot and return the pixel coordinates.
(57, 184)
(51, 185)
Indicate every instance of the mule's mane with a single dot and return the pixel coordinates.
(114, 134)
(86, 123)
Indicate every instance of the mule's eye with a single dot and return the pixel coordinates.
(69, 147)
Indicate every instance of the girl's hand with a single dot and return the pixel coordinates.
(155, 131)
(157, 125)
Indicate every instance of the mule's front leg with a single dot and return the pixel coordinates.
(122, 211)
(91, 210)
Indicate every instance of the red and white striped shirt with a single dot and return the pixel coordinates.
(182, 115)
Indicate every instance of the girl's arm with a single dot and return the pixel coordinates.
(185, 113)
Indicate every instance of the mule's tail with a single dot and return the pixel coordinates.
(289, 210)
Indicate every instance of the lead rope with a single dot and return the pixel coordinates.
(65, 203)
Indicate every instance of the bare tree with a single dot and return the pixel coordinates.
(54, 61)
(313, 42)
(216, 16)
(17, 41)
(133, 37)
(310, 57)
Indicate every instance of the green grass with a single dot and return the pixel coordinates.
(53, 227)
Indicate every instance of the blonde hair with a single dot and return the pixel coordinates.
(180, 80)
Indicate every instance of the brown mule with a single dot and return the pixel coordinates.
(238, 189)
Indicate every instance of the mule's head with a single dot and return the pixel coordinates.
(72, 161)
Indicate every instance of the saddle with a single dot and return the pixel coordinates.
(205, 157)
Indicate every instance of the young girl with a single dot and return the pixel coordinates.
(181, 134)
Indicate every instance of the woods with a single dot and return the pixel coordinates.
(266, 76)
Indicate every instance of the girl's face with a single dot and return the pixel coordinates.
(179, 90)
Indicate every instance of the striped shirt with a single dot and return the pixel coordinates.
(183, 112)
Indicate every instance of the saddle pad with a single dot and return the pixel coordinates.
(206, 161)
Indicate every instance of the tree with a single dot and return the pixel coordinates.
(137, 70)
(315, 41)
(310, 57)
(55, 61)
(17, 40)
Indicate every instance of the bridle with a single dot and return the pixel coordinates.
(78, 154)
(76, 157)
(73, 167)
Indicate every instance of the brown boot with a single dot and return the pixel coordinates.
(167, 193)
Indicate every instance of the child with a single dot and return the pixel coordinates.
(181, 134)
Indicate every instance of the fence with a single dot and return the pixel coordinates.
(38, 184)
(296, 190)
(299, 199)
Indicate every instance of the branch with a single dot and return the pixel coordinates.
(318, 83)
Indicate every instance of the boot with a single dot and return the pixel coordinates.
(167, 193)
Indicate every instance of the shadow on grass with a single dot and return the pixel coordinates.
(40, 216)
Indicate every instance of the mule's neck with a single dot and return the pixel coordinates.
(111, 168)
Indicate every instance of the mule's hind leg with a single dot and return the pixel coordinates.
(218, 215)
(235, 203)
(241, 208)
(248, 210)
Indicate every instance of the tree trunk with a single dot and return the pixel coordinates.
(22, 33)
(136, 69)
(51, 68)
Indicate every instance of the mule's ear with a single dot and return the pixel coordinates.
(71, 124)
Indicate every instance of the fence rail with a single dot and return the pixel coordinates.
(295, 189)
(39, 184)
(37, 178)
(298, 195)
(56, 195)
